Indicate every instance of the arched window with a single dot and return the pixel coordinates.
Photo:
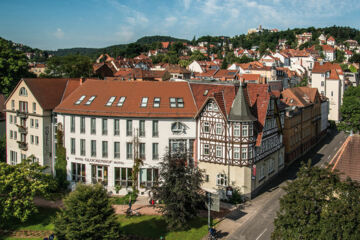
(23, 92)
(221, 179)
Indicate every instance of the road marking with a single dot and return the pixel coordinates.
(261, 234)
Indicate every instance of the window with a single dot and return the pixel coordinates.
(11, 119)
(142, 128)
(80, 100)
(332, 93)
(72, 124)
(91, 99)
(155, 128)
(72, 146)
(177, 127)
(144, 102)
(245, 131)
(251, 130)
(244, 153)
(148, 176)
(250, 153)
(237, 130)
(78, 172)
(32, 139)
(104, 149)
(180, 102)
(271, 166)
(13, 158)
(23, 156)
(215, 107)
(121, 101)
(99, 174)
(221, 180)
(206, 92)
(142, 150)
(156, 102)
(93, 125)
(173, 102)
(219, 128)
(111, 101)
(15, 135)
(116, 127)
(31, 122)
(210, 106)
(218, 151)
(123, 177)
(155, 151)
(23, 106)
(116, 149)
(36, 123)
(128, 127)
(236, 153)
(13, 105)
(82, 125)
(93, 148)
(206, 127)
(104, 126)
(82, 147)
(34, 107)
(129, 151)
(281, 160)
(322, 83)
(23, 92)
(15, 119)
(206, 149)
(11, 134)
(262, 172)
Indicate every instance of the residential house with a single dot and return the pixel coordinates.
(239, 136)
(38, 68)
(302, 128)
(29, 122)
(331, 41)
(102, 70)
(348, 54)
(322, 39)
(225, 75)
(353, 44)
(2, 116)
(202, 66)
(303, 38)
(178, 72)
(329, 53)
(328, 78)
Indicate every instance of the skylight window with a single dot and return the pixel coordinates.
(80, 100)
(156, 102)
(173, 102)
(91, 99)
(180, 103)
(121, 101)
(144, 102)
(206, 92)
(111, 101)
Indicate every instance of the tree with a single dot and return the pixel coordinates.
(87, 214)
(13, 67)
(355, 58)
(70, 66)
(60, 164)
(179, 190)
(138, 162)
(316, 206)
(19, 184)
(224, 64)
(340, 56)
(350, 110)
(2, 148)
(198, 56)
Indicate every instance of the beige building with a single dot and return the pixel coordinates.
(239, 136)
(29, 118)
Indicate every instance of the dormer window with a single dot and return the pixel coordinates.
(173, 102)
(177, 127)
(144, 102)
(111, 101)
(121, 101)
(176, 102)
(206, 92)
(80, 100)
(91, 99)
(210, 106)
(156, 102)
(180, 103)
(23, 92)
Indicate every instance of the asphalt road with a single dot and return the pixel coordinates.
(260, 225)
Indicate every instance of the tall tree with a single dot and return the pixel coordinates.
(13, 67)
(19, 184)
(87, 214)
(2, 148)
(70, 66)
(350, 110)
(60, 164)
(179, 190)
(317, 205)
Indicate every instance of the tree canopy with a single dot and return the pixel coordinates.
(19, 184)
(87, 214)
(2, 148)
(350, 110)
(355, 58)
(317, 205)
(13, 67)
(179, 190)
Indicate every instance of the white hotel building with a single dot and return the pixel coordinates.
(107, 124)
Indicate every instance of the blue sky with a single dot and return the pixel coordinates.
(53, 24)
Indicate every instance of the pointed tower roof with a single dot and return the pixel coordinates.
(240, 110)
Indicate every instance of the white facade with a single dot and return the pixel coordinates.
(105, 165)
(195, 67)
(329, 55)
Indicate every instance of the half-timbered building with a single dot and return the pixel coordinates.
(239, 136)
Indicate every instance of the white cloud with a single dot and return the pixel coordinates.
(187, 4)
(126, 34)
(59, 34)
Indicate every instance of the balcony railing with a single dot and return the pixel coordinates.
(21, 114)
(23, 145)
(22, 129)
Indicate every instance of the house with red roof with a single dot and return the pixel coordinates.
(331, 41)
(329, 52)
(348, 54)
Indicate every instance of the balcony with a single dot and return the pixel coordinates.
(22, 129)
(23, 145)
(21, 114)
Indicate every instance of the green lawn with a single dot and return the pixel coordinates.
(124, 200)
(155, 227)
(146, 226)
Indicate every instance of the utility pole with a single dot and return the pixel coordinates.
(209, 207)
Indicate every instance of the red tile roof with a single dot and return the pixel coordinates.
(331, 38)
(134, 92)
(165, 44)
(300, 96)
(327, 48)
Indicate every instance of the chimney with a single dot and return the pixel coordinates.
(82, 80)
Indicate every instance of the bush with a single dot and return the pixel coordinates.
(236, 197)
(125, 199)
